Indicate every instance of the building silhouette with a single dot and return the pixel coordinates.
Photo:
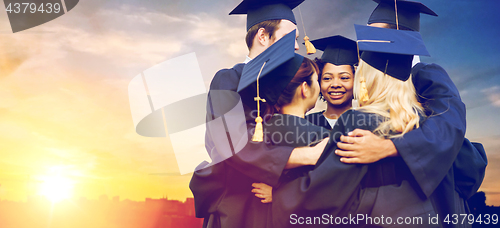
(482, 212)
(104, 212)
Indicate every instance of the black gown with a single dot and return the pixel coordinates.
(335, 189)
(222, 203)
(448, 168)
(319, 119)
(222, 191)
(447, 112)
(440, 165)
(293, 131)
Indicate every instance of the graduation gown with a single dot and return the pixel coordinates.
(222, 191)
(319, 119)
(294, 131)
(431, 150)
(446, 186)
(335, 189)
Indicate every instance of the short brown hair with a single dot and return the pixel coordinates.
(270, 26)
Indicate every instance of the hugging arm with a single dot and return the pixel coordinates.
(331, 188)
(228, 135)
(364, 147)
(430, 150)
(227, 143)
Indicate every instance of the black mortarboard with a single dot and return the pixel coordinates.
(389, 50)
(337, 50)
(262, 10)
(408, 13)
(281, 64)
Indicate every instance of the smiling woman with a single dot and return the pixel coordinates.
(56, 188)
(336, 78)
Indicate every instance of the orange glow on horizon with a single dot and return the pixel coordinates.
(56, 188)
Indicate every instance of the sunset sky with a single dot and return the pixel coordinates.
(64, 108)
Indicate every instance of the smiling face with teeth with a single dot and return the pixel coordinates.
(336, 85)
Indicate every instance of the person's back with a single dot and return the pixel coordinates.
(451, 172)
(390, 109)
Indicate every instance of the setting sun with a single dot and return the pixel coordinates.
(56, 188)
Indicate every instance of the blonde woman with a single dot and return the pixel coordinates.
(389, 97)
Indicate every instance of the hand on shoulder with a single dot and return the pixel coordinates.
(364, 147)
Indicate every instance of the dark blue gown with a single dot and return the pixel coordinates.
(222, 192)
(293, 131)
(319, 119)
(334, 189)
(438, 139)
(432, 151)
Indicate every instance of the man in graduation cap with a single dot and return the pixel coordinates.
(222, 191)
(448, 168)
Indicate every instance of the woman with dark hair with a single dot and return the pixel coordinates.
(336, 78)
(285, 124)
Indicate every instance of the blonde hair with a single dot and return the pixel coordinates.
(391, 98)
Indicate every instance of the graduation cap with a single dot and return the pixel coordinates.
(274, 63)
(262, 10)
(390, 51)
(337, 50)
(268, 74)
(407, 13)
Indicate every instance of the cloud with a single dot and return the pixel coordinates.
(126, 36)
(209, 30)
(8, 98)
(65, 92)
(138, 15)
(10, 60)
(493, 95)
(169, 32)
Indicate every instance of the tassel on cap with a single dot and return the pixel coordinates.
(309, 46)
(258, 135)
(363, 91)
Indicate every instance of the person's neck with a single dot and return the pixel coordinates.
(255, 51)
(334, 112)
(294, 110)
